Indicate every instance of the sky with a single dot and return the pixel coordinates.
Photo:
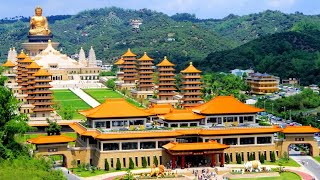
(201, 8)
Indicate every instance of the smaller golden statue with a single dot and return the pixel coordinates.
(39, 24)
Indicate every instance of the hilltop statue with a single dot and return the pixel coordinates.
(39, 24)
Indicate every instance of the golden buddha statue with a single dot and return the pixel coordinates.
(39, 24)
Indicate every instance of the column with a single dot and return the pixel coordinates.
(182, 162)
(221, 159)
(213, 160)
(173, 161)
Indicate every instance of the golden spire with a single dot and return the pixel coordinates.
(191, 63)
(49, 41)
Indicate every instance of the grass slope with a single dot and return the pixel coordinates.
(66, 98)
(283, 176)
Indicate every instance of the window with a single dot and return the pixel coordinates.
(148, 145)
(148, 160)
(193, 124)
(248, 140)
(230, 141)
(110, 146)
(160, 159)
(263, 140)
(242, 156)
(174, 125)
(100, 124)
(78, 161)
(119, 123)
(231, 159)
(299, 139)
(248, 156)
(129, 145)
(111, 162)
(184, 125)
(212, 120)
(136, 122)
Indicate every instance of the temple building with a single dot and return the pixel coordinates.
(262, 83)
(120, 73)
(145, 87)
(130, 72)
(191, 86)
(222, 127)
(166, 86)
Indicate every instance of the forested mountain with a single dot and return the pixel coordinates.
(234, 41)
(288, 54)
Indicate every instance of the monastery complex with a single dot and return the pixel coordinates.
(177, 128)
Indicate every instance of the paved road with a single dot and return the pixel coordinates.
(68, 175)
(309, 163)
(84, 96)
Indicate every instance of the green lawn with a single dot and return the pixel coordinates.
(102, 94)
(84, 173)
(291, 163)
(317, 158)
(283, 176)
(66, 98)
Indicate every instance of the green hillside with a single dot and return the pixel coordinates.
(110, 32)
(288, 54)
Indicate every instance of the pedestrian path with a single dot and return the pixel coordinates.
(310, 164)
(85, 97)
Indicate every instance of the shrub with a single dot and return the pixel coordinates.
(155, 160)
(118, 165)
(285, 156)
(144, 162)
(131, 164)
(227, 158)
(238, 159)
(272, 157)
(106, 165)
(262, 158)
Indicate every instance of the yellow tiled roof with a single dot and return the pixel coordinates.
(300, 130)
(116, 107)
(27, 59)
(157, 109)
(8, 64)
(42, 72)
(191, 69)
(22, 55)
(211, 145)
(51, 139)
(181, 115)
(129, 53)
(225, 105)
(33, 65)
(145, 57)
(165, 62)
(120, 61)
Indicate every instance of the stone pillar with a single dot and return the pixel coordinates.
(182, 162)
(173, 161)
(221, 159)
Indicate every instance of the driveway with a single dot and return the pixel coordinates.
(309, 163)
(69, 175)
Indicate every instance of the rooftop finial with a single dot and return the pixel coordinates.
(145, 53)
(190, 63)
(49, 41)
(10, 49)
(165, 57)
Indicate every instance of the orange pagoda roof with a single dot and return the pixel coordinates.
(181, 115)
(116, 107)
(211, 145)
(42, 72)
(8, 64)
(27, 59)
(51, 139)
(129, 53)
(119, 62)
(165, 62)
(145, 57)
(22, 55)
(225, 105)
(33, 65)
(191, 69)
(157, 109)
(300, 130)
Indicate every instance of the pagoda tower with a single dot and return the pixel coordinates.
(166, 80)
(23, 61)
(145, 85)
(129, 70)
(119, 64)
(41, 96)
(191, 86)
(145, 73)
(9, 72)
